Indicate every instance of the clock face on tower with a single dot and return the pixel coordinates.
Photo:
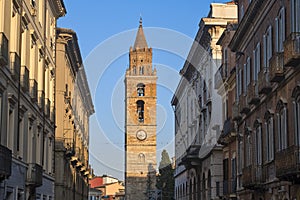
(141, 135)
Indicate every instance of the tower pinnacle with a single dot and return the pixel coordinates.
(140, 40)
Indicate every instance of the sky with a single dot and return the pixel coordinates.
(105, 31)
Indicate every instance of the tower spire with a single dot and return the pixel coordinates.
(140, 40)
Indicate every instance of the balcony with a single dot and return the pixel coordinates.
(243, 105)
(41, 99)
(292, 50)
(3, 49)
(253, 177)
(15, 65)
(252, 94)
(276, 68)
(236, 116)
(264, 85)
(24, 78)
(5, 162)
(191, 158)
(47, 107)
(228, 128)
(76, 157)
(34, 175)
(220, 76)
(287, 164)
(33, 89)
(69, 146)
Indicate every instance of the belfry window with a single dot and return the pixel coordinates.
(140, 110)
(134, 70)
(141, 90)
(141, 70)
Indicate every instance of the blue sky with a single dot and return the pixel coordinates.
(105, 31)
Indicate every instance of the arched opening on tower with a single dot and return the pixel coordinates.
(140, 110)
(141, 90)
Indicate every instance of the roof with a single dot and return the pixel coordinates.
(140, 40)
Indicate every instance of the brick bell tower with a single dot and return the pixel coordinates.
(140, 121)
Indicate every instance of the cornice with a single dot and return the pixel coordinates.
(245, 23)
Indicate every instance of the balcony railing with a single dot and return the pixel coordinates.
(15, 65)
(220, 76)
(253, 177)
(292, 50)
(24, 78)
(264, 84)
(33, 89)
(41, 99)
(5, 162)
(276, 68)
(243, 104)
(252, 94)
(34, 175)
(236, 116)
(287, 163)
(3, 49)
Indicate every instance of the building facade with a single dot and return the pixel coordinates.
(225, 83)
(73, 106)
(140, 121)
(198, 172)
(266, 44)
(27, 126)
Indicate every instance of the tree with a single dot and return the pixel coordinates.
(165, 178)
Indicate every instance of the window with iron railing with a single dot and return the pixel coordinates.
(280, 30)
(267, 39)
(256, 62)
(281, 113)
(296, 104)
(295, 16)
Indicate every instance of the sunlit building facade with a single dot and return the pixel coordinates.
(198, 120)
(74, 106)
(27, 82)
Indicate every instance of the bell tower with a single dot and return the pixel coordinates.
(140, 121)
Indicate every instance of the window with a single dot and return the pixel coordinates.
(240, 156)
(256, 56)
(141, 158)
(141, 90)
(267, 38)
(140, 110)
(281, 125)
(280, 30)
(296, 104)
(248, 143)
(141, 70)
(258, 143)
(247, 68)
(295, 16)
(239, 83)
(269, 127)
(242, 11)
(225, 52)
